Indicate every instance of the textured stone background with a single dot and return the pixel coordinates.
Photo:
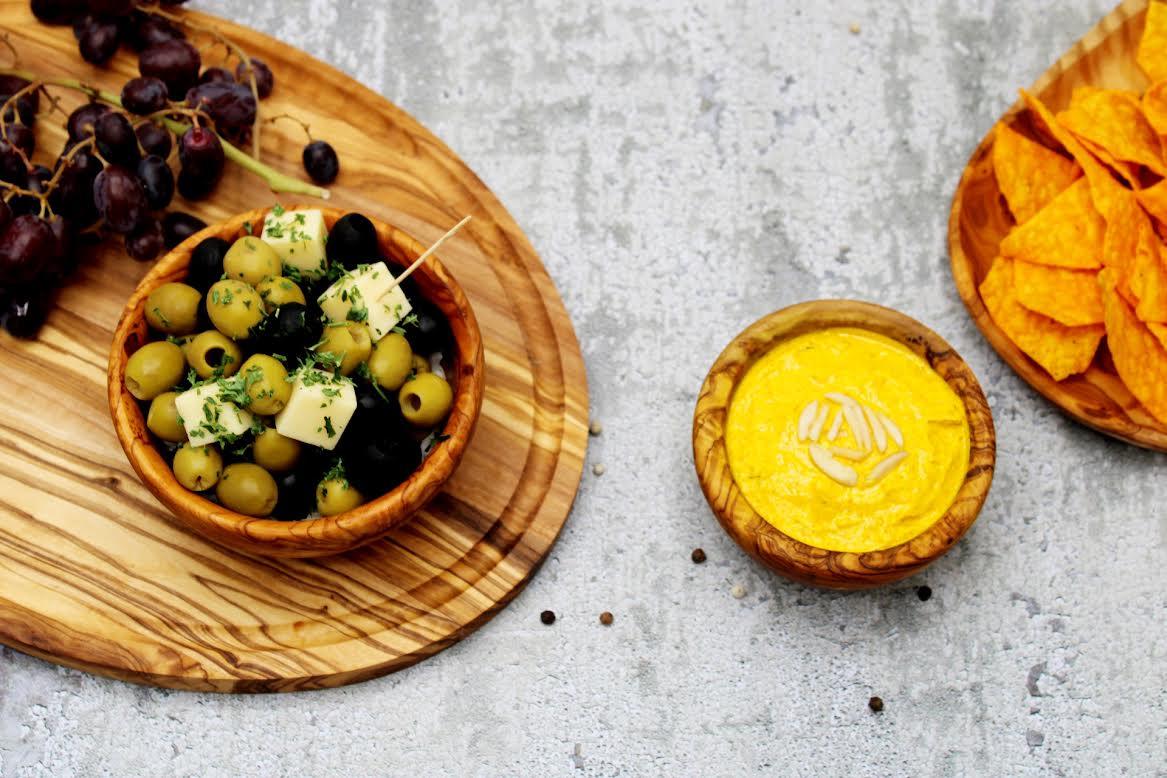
(684, 168)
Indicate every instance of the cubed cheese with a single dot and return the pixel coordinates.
(319, 409)
(209, 418)
(367, 294)
(298, 237)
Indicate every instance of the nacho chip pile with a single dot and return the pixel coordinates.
(1087, 259)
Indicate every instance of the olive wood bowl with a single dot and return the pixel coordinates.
(778, 551)
(309, 537)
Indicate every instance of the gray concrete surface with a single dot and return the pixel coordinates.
(684, 168)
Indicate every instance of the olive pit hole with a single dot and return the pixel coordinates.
(414, 402)
(215, 356)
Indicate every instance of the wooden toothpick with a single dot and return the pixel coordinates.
(437, 244)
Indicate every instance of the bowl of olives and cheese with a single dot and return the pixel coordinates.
(282, 393)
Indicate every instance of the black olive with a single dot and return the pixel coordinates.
(430, 331)
(375, 463)
(206, 263)
(352, 241)
(291, 329)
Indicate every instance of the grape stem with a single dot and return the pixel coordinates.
(279, 182)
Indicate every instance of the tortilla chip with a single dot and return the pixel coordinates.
(1029, 174)
(1139, 357)
(1154, 200)
(1152, 55)
(1148, 277)
(1127, 171)
(1159, 331)
(1113, 120)
(1154, 104)
(1068, 232)
(1070, 297)
(1104, 190)
(1062, 351)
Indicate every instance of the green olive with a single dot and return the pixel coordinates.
(275, 453)
(267, 384)
(425, 400)
(234, 308)
(391, 361)
(250, 259)
(419, 364)
(277, 291)
(248, 489)
(351, 342)
(162, 418)
(173, 309)
(336, 495)
(198, 467)
(211, 350)
(153, 369)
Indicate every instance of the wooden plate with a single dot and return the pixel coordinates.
(979, 220)
(774, 548)
(93, 572)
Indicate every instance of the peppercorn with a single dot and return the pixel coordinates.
(698, 555)
(605, 618)
(924, 593)
(547, 617)
(876, 704)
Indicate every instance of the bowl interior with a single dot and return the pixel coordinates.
(770, 545)
(320, 536)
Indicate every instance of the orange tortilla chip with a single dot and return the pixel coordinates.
(1061, 351)
(1113, 120)
(1070, 297)
(1029, 174)
(1154, 200)
(1159, 331)
(1148, 277)
(1127, 171)
(1155, 107)
(1139, 356)
(1068, 232)
(1152, 55)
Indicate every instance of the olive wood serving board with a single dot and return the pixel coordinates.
(979, 220)
(93, 572)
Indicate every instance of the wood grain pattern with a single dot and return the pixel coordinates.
(979, 220)
(96, 574)
(775, 549)
(332, 534)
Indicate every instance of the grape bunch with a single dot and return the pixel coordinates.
(116, 175)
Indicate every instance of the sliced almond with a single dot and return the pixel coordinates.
(854, 454)
(836, 425)
(858, 424)
(806, 418)
(834, 470)
(892, 429)
(878, 472)
(816, 429)
(877, 428)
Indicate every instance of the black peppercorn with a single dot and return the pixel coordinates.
(924, 593)
(547, 617)
(698, 555)
(876, 704)
(605, 618)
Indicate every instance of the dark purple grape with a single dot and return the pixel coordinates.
(155, 139)
(230, 105)
(27, 310)
(62, 261)
(206, 263)
(119, 198)
(27, 104)
(176, 62)
(116, 139)
(25, 247)
(99, 40)
(201, 155)
(21, 137)
(146, 242)
(212, 75)
(146, 30)
(321, 162)
(38, 177)
(72, 197)
(111, 7)
(178, 226)
(5, 216)
(58, 11)
(81, 121)
(13, 168)
(157, 181)
(144, 94)
(264, 80)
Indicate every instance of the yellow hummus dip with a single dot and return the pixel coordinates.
(846, 440)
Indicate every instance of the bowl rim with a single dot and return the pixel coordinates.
(324, 535)
(777, 550)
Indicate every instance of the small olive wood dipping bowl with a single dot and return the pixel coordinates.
(310, 537)
(780, 552)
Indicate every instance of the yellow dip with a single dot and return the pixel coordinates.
(863, 377)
